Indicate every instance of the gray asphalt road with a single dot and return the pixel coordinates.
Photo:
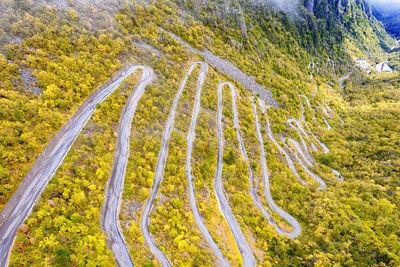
(313, 146)
(289, 218)
(309, 107)
(328, 108)
(301, 162)
(332, 63)
(113, 193)
(243, 152)
(231, 70)
(280, 148)
(223, 205)
(325, 112)
(300, 151)
(338, 175)
(325, 149)
(159, 172)
(343, 78)
(303, 119)
(44, 168)
(192, 195)
(296, 125)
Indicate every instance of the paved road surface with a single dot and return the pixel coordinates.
(159, 173)
(296, 125)
(289, 218)
(44, 168)
(299, 150)
(280, 148)
(300, 160)
(244, 249)
(328, 108)
(227, 67)
(328, 126)
(332, 63)
(338, 175)
(326, 149)
(192, 195)
(313, 146)
(113, 193)
(309, 107)
(243, 152)
(303, 119)
(343, 78)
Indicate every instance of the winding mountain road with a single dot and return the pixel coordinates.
(223, 205)
(113, 193)
(243, 152)
(301, 162)
(289, 218)
(343, 78)
(20, 205)
(332, 63)
(338, 175)
(313, 146)
(280, 148)
(325, 148)
(192, 195)
(299, 150)
(325, 112)
(309, 106)
(162, 158)
(303, 119)
(23, 200)
(328, 108)
(296, 125)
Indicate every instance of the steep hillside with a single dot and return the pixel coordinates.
(388, 12)
(197, 133)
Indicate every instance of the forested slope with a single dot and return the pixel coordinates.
(55, 54)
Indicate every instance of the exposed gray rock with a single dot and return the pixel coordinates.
(30, 81)
(230, 69)
(14, 40)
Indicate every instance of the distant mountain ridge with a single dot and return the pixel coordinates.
(389, 14)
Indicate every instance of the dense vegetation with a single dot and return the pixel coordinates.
(72, 51)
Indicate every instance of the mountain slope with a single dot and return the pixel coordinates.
(274, 159)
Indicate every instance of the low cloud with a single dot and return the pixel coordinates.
(385, 2)
(287, 6)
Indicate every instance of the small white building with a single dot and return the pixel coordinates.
(383, 67)
(363, 64)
